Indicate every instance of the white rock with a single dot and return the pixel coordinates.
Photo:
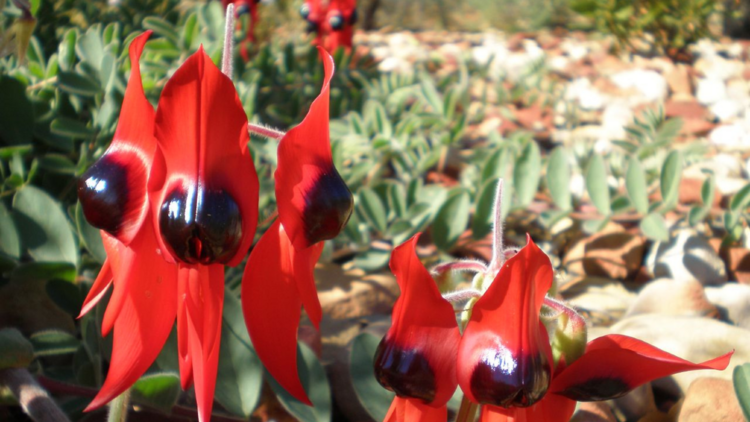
(614, 119)
(588, 97)
(710, 90)
(727, 109)
(395, 64)
(734, 135)
(734, 300)
(651, 84)
(686, 256)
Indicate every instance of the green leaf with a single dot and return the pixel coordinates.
(90, 236)
(66, 50)
(451, 220)
(671, 173)
(635, 182)
(45, 229)
(740, 200)
(596, 184)
(162, 27)
(75, 83)
(160, 390)
(496, 164)
(526, 174)
(15, 350)
(313, 378)
(374, 398)
(481, 223)
(741, 380)
(373, 259)
(90, 46)
(699, 212)
(70, 128)
(558, 179)
(53, 343)
(372, 208)
(16, 113)
(42, 271)
(654, 227)
(10, 242)
(240, 376)
(397, 198)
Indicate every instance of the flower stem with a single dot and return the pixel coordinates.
(34, 400)
(265, 131)
(498, 255)
(468, 411)
(118, 408)
(226, 56)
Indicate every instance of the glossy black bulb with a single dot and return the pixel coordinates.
(502, 379)
(242, 9)
(405, 372)
(106, 192)
(201, 227)
(311, 27)
(328, 208)
(353, 18)
(336, 22)
(304, 10)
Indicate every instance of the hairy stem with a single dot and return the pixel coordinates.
(226, 56)
(34, 400)
(265, 131)
(118, 408)
(498, 255)
(471, 266)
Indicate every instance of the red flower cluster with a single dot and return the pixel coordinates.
(503, 361)
(176, 198)
(332, 20)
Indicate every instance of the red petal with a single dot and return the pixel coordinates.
(98, 289)
(118, 256)
(551, 408)
(417, 357)
(405, 410)
(113, 190)
(201, 128)
(615, 364)
(272, 306)
(314, 202)
(204, 303)
(183, 335)
(147, 315)
(504, 350)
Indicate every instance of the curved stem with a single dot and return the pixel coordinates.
(471, 266)
(468, 411)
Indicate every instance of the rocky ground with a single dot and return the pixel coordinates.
(689, 296)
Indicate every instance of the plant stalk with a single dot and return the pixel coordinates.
(265, 131)
(118, 408)
(34, 400)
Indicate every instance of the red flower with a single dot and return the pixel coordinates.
(176, 197)
(339, 24)
(332, 23)
(417, 357)
(504, 360)
(314, 205)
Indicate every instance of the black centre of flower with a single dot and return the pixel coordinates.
(405, 372)
(336, 22)
(304, 10)
(328, 206)
(105, 194)
(502, 379)
(353, 18)
(597, 389)
(201, 227)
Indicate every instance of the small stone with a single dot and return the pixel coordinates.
(737, 259)
(710, 399)
(651, 85)
(670, 297)
(679, 80)
(612, 253)
(637, 403)
(710, 91)
(687, 256)
(733, 300)
(727, 109)
(603, 299)
(595, 411)
(734, 136)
